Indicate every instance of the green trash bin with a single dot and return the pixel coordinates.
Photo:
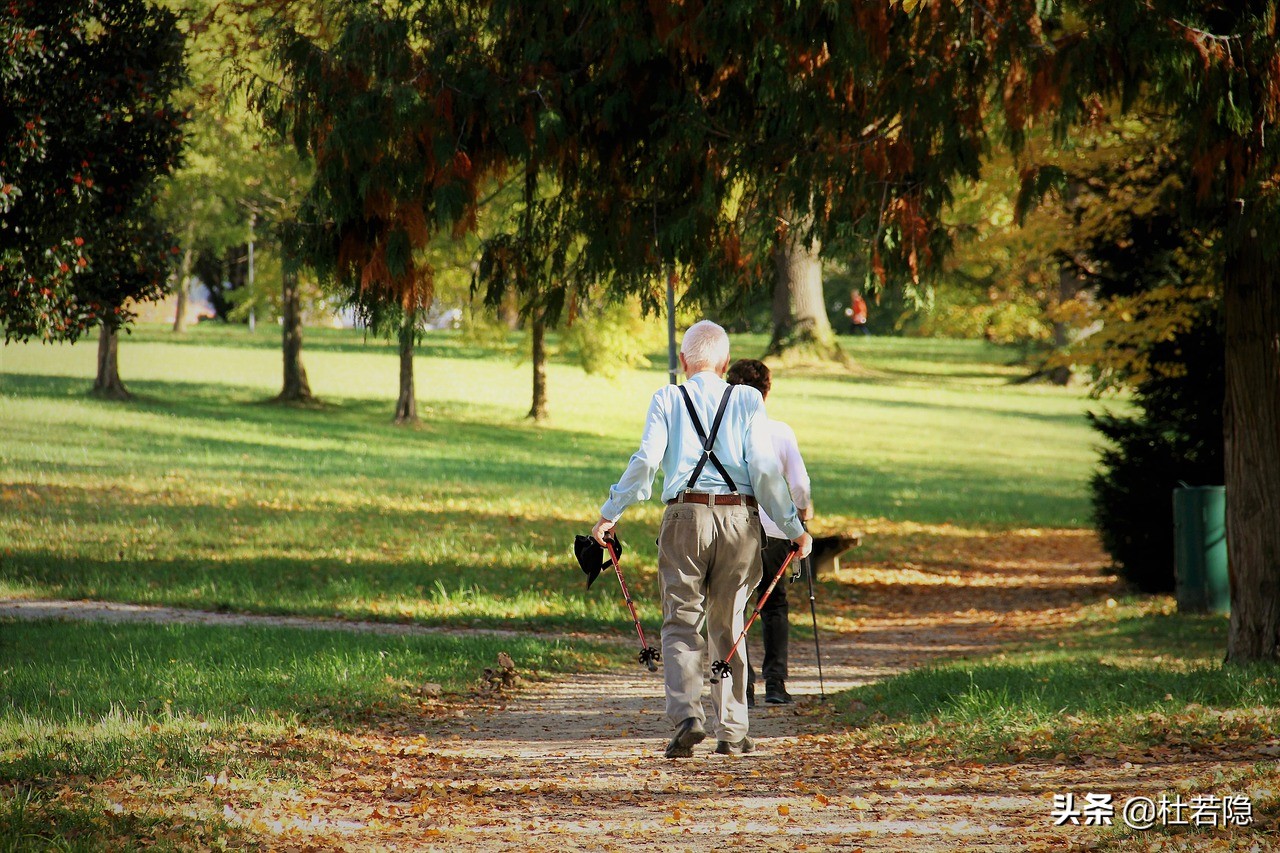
(1200, 549)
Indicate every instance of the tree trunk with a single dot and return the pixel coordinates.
(509, 311)
(184, 282)
(538, 331)
(1251, 417)
(1069, 283)
(407, 405)
(108, 382)
(296, 388)
(801, 329)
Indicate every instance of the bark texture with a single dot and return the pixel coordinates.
(538, 331)
(296, 388)
(509, 311)
(184, 283)
(1068, 286)
(108, 383)
(407, 404)
(1251, 417)
(800, 325)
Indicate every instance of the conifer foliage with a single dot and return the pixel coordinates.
(86, 127)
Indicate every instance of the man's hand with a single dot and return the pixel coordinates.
(806, 513)
(805, 541)
(602, 527)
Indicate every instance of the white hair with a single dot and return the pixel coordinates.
(705, 345)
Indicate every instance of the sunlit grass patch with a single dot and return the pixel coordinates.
(1132, 683)
(93, 700)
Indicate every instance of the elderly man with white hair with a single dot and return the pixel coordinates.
(710, 540)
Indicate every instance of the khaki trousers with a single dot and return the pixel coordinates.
(708, 562)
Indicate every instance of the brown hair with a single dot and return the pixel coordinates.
(748, 371)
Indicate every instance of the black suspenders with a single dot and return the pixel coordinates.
(708, 440)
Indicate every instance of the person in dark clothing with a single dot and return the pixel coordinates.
(774, 614)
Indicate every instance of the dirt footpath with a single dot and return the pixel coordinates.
(576, 764)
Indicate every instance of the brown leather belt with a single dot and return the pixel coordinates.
(713, 500)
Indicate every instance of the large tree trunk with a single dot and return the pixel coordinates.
(538, 331)
(1251, 419)
(108, 383)
(407, 405)
(296, 388)
(801, 329)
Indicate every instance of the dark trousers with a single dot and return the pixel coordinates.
(773, 616)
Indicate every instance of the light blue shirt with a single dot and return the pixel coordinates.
(744, 446)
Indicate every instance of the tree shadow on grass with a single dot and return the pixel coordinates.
(215, 429)
(435, 344)
(34, 822)
(432, 594)
(946, 491)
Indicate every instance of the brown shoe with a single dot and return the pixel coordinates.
(688, 734)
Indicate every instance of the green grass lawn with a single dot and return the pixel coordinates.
(1128, 680)
(97, 699)
(200, 494)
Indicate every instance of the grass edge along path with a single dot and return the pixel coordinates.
(117, 734)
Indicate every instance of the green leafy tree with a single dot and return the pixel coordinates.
(1175, 439)
(87, 125)
(677, 153)
(238, 182)
(376, 99)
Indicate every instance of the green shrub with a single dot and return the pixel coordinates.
(1177, 438)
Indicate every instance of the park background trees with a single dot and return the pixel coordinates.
(686, 120)
(1213, 69)
(706, 144)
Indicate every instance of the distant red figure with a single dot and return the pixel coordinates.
(857, 314)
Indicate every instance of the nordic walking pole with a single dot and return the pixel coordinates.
(807, 564)
(720, 668)
(649, 656)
